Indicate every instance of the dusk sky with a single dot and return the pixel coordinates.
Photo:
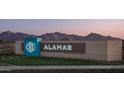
(81, 27)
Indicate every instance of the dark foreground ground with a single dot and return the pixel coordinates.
(67, 71)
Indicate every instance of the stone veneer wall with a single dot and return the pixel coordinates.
(96, 50)
(114, 50)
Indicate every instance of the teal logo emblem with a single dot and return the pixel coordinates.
(32, 46)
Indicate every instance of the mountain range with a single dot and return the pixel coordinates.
(56, 36)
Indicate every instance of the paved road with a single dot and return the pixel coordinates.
(9, 68)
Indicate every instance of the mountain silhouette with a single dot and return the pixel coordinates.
(56, 36)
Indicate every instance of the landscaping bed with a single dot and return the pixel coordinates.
(30, 61)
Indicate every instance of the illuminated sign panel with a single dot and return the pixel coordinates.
(35, 49)
(63, 47)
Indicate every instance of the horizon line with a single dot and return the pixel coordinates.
(58, 32)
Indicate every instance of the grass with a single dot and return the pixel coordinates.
(30, 61)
